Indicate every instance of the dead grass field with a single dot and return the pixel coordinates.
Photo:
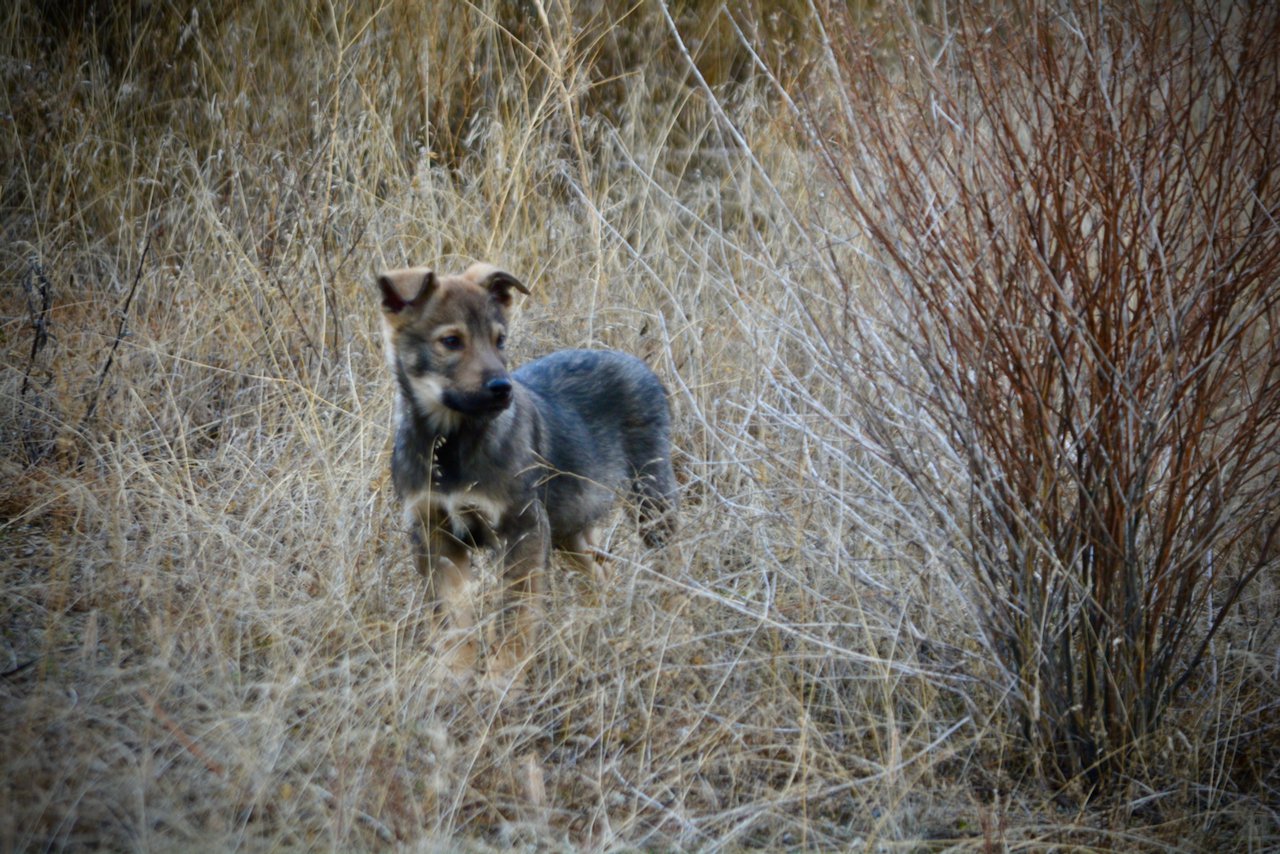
(212, 635)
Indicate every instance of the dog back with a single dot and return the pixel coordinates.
(605, 427)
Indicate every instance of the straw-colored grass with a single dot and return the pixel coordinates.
(212, 636)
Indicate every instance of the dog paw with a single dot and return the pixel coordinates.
(508, 666)
(458, 653)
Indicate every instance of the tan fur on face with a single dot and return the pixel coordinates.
(422, 312)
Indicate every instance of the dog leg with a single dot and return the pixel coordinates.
(459, 637)
(528, 538)
(445, 564)
(583, 551)
(654, 489)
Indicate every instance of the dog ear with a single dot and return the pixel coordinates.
(403, 288)
(497, 282)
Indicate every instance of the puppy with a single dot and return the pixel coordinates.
(515, 461)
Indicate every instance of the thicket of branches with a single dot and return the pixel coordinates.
(1076, 213)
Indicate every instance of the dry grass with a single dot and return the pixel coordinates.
(212, 635)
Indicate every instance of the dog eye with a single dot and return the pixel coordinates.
(501, 343)
(451, 342)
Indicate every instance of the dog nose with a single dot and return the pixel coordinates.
(499, 387)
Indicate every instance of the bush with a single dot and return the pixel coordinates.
(1076, 214)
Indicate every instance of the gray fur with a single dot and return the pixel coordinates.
(521, 461)
(583, 427)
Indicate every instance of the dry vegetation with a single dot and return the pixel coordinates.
(212, 634)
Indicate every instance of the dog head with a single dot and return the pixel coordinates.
(445, 337)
